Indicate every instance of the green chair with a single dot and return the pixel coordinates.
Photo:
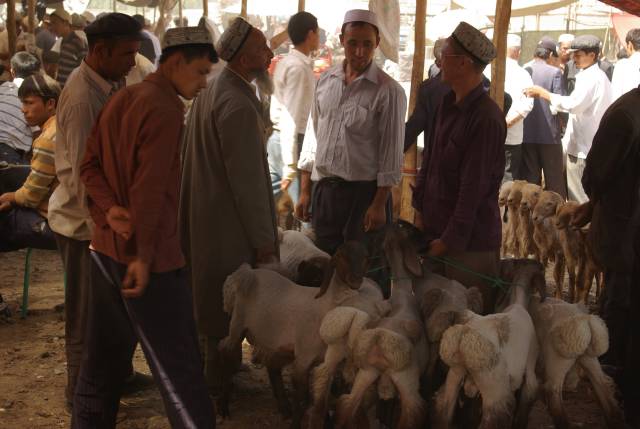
(27, 281)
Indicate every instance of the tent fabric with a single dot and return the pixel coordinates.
(518, 7)
(630, 6)
(622, 23)
(388, 13)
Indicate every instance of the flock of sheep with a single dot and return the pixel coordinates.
(426, 349)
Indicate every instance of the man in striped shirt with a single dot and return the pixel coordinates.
(23, 214)
(73, 48)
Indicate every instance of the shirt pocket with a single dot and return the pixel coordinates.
(356, 119)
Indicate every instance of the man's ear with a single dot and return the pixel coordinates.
(51, 104)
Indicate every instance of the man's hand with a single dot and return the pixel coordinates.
(375, 217)
(437, 248)
(7, 200)
(582, 215)
(119, 220)
(302, 208)
(537, 92)
(284, 184)
(266, 255)
(136, 280)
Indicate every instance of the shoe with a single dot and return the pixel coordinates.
(137, 382)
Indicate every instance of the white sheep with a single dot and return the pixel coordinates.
(569, 336)
(514, 246)
(282, 318)
(503, 196)
(496, 354)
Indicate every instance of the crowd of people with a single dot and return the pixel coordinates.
(151, 208)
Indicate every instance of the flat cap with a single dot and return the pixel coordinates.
(360, 15)
(586, 41)
(114, 26)
(233, 38)
(186, 36)
(548, 43)
(62, 14)
(476, 44)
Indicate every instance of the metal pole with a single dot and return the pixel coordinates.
(501, 28)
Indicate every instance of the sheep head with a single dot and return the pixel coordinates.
(505, 190)
(530, 195)
(525, 273)
(399, 241)
(349, 264)
(515, 195)
(547, 206)
(311, 272)
(564, 213)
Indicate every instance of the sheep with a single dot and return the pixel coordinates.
(569, 336)
(395, 351)
(529, 197)
(282, 318)
(592, 269)
(503, 196)
(513, 221)
(496, 354)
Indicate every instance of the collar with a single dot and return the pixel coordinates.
(297, 54)
(467, 101)
(51, 122)
(240, 77)
(105, 86)
(163, 83)
(371, 73)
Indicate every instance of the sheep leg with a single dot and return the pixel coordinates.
(323, 377)
(558, 277)
(590, 274)
(412, 406)
(349, 404)
(300, 380)
(277, 385)
(447, 397)
(498, 401)
(556, 369)
(603, 387)
(529, 391)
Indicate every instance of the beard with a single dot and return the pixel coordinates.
(264, 82)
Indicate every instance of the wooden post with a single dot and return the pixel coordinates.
(114, 6)
(409, 169)
(31, 11)
(11, 26)
(205, 7)
(300, 5)
(501, 28)
(243, 9)
(180, 13)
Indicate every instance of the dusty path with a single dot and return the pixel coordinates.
(33, 373)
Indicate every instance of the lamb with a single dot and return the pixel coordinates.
(569, 336)
(496, 354)
(395, 351)
(282, 318)
(514, 246)
(503, 196)
(529, 196)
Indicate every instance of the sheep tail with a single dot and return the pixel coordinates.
(599, 337)
(240, 281)
(464, 346)
(572, 337)
(343, 322)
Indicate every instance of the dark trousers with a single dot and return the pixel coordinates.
(23, 227)
(162, 321)
(547, 159)
(76, 262)
(14, 169)
(513, 162)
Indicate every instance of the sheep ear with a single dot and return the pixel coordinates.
(474, 300)
(539, 283)
(430, 301)
(326, 281)
(411, 260)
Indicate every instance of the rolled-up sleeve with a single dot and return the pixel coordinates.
(391, 146)
(308, 152)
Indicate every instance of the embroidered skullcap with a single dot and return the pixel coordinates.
(186, 36)
(233, 38)
(474, 43)
(360, 15)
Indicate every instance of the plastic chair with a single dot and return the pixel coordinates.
(27, 281)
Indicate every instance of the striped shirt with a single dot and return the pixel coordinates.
(14, 131)
(73, 49)
(41, 182)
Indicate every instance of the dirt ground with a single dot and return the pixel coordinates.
(33, 373)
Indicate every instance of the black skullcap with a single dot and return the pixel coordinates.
(114, 26)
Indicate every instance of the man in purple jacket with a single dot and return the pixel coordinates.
(457, 188)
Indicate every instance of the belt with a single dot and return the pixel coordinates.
(340, 181)
(19, 151)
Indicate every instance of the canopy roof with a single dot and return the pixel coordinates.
(631, 6)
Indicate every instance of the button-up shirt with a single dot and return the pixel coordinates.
(586, 105)
(457, 188)
(291, 104)
(626, 75)
(359, 128)
(133, 161)
(81, 101)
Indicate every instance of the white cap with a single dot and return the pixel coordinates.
(361, 15)
(566, 38)
(514, 41)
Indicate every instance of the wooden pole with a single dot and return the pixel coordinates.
(11, 26)
(205, 7)
(114, 6)
(501, 28)
(243, 9)
(409, 170)
(31, 11)
(180, 13)
(300, 5)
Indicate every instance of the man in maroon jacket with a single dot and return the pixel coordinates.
(457, 188)
(131, 172)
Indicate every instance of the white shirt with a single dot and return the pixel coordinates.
(516, 80)
(626, 75)
(142, 69)
(586, 105)
(291, 104)
(359, 128)
(157, 48)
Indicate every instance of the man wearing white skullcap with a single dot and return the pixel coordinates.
(356, 156)
(226, 187)
(457, 188)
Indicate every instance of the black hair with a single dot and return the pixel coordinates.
(622, 53)
(588, 51)
(359, 24)
(24, 64)
(191, 52)
(542, 53)
(139, 18)
(299, 26)
(633, 36)
(42, 86)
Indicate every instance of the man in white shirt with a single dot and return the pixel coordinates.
(516, 81)
(626, 74)
(586, 106)
(358, 116)
(291, 104)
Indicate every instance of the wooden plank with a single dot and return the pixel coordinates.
(301, 5)
(31, 13)
(243, 9)
(11, 26)
(417, 75)
(500, 31)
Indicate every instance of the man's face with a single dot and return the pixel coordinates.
(117, 58)
(360, 43)
(36, 111)
(452, 63)
(58, 25)
(256, 54)
(191, 77)
(315, 39)
(583, 59)
(565, 54)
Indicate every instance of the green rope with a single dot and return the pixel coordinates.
(495, 282)
(375, 270)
